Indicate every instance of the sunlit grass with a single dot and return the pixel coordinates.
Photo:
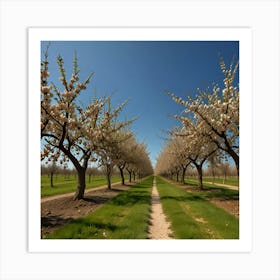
(233, 181)
(66, 184)
(193, 217)
(126, 216)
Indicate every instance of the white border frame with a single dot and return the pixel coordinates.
(243, 35)
(262, 16)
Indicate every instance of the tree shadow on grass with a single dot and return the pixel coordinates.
(227, 197)
(183, 198)
(94, 229)
(213, 192)
(132, 198)
(223, 194)
(95, 224)
(81, 228)
(96, 199)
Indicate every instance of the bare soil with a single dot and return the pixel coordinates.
(71, 194)
(230, 205)
(59, 211)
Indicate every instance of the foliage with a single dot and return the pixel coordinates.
(74, 133)
(209, 129)
(214, 114)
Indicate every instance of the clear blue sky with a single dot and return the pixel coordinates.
(141, 71)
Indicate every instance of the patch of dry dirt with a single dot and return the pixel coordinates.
(200, 220)
(230, 205)
(57, 212)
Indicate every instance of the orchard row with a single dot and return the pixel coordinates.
(85, 134)
(208, 132)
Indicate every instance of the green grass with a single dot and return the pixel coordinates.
(193, 217)
(69, 184)
(126, 216)
(220, 191)
(233, 181)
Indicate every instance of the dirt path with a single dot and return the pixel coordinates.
(160, 227)
(64, 195)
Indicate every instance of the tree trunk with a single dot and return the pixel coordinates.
(183, 174)
(133, 176)
(237, 166)
(81, 184)
(235, 158)
(225, 177)
(177, 176)
(108, 176)
(122, 175)
(199, 176)
(129, 172)
(51, 179)
(213, 177)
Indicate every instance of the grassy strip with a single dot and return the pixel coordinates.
(67, 185)
(126, 216)
(193, 217)
(229, 181)
(217, 191)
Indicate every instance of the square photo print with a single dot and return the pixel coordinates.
(140, 141)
